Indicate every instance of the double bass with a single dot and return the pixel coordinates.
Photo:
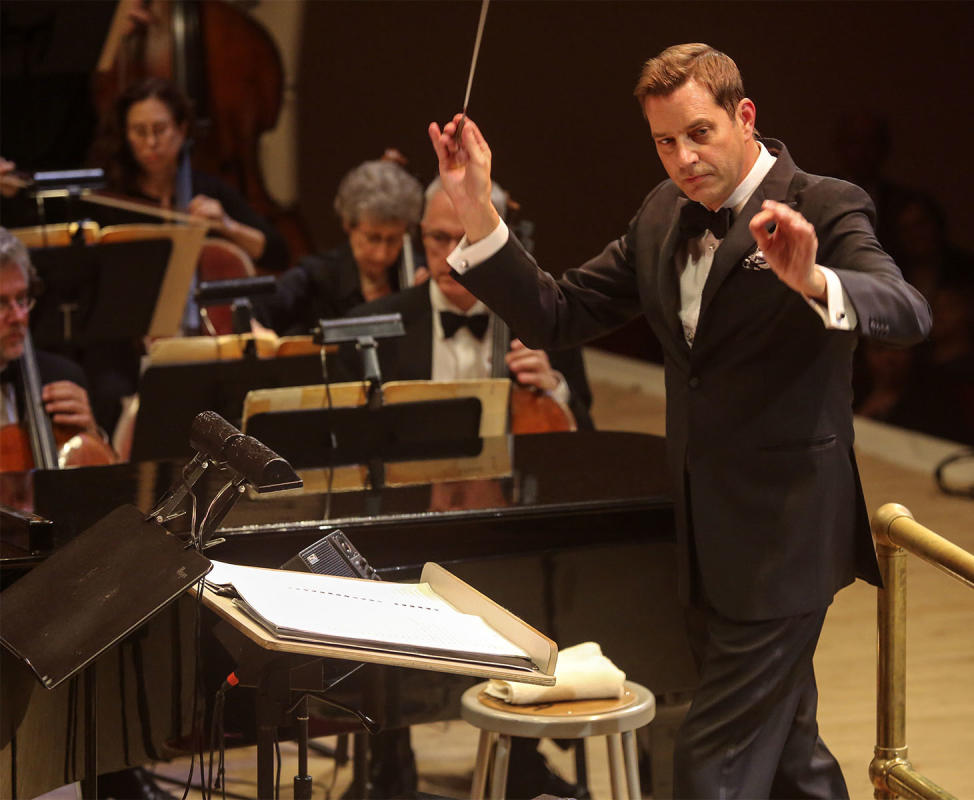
(229, 66)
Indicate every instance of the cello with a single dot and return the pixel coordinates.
(36, 442)
(531, 409)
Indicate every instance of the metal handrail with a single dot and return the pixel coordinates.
(896, 533)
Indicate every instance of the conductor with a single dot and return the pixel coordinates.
(758, 279)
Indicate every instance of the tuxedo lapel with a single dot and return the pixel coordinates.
(668, 282)
(739, 242)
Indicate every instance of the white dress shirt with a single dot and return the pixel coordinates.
(465, 356)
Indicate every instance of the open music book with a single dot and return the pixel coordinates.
(394, 618)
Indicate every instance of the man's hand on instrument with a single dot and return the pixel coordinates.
(790, 249)
(532, 367)
(465, 172)
(67, 404)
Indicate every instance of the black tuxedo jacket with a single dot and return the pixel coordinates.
(770, 514)
(410, 357)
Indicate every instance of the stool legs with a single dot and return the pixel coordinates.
(632, 765)
(484, 745)
(502, 757)
(616, 776)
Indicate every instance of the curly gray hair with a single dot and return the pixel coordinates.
(381, 191)
(13, 253)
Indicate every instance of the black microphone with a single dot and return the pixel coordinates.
(264, 469)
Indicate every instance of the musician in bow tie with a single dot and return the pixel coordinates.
(770, 517)
(449, 331)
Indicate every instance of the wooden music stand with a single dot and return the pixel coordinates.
(54, 244)
(492, 458)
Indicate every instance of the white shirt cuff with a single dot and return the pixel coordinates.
(466, 256)
(561, 392)
(837, 311)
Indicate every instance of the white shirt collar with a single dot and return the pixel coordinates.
(440, 302)
(761, 167)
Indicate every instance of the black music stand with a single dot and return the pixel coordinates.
(410, 431)
(171, 395)
(98, 293)
(90, 594)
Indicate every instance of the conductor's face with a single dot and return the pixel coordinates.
(705, 151)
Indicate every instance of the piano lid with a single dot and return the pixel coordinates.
(549, 475)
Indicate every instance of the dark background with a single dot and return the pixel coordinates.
(553, 94)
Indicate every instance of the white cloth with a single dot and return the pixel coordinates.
(582, 673)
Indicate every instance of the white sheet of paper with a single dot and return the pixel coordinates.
(378, 611)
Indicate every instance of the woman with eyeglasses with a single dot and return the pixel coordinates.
(148, 160)
(378, 202)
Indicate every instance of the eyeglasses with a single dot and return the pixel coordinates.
(156, 129)
(374, 239)
(442, 238)
(23, 302)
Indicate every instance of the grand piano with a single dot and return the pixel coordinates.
(576, 538)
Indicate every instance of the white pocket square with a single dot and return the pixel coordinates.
(756, 261)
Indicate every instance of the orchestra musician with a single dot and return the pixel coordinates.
(64, 392)
(147, 160)
(449, 331)
(758, 279)
(378, 202)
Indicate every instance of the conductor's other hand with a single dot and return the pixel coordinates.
(464, 163)
(790, 248)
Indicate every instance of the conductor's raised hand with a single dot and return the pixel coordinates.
(464, 164)
(790, 248)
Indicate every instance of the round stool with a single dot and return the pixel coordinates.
(617, 719)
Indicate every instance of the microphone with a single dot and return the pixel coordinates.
(220, 441)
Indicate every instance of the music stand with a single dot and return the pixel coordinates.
(99, 293)
(90, 594)
(171, 395)
(360, 434)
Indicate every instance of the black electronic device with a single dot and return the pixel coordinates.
(333, 554)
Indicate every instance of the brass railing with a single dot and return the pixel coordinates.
(896, 532)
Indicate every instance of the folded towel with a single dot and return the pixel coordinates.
(582, 673)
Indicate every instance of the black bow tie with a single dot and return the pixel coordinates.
(695, 219)
(476, 323)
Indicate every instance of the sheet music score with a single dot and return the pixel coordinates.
(399, 617)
